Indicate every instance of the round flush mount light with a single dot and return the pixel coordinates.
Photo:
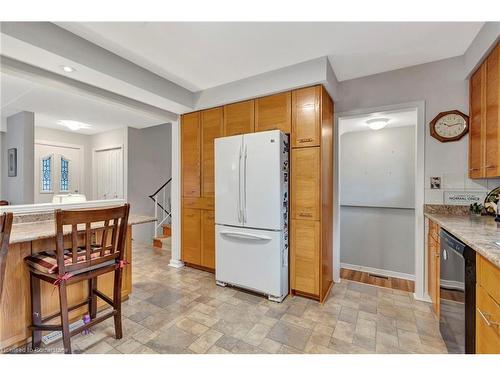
(68, 69)
(377, 123)
(74, 125)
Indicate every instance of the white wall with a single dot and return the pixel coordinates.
(149, 167)
(20, 135)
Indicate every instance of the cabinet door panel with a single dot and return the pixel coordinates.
(492, 115)
(191, 236)
(305, 264)
(487, 332)
(306, 186)
(433, 265)
(191, 155)
(239, 118)
(208, 239)
(306, 127)
(211, 128)
(274, 112)
(475, 131)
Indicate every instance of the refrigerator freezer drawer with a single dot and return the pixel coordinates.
(252, 259)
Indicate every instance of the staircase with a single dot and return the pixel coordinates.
(163, 230)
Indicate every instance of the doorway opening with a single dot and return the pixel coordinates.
(379, 231)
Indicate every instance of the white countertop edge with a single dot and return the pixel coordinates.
(47, 207)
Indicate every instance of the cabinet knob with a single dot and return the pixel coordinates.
(491, 166)
(303, 214)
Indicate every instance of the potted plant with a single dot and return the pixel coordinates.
(476, 209)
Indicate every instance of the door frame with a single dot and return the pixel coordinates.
(73, 146)
(94, 169)
(420, 279)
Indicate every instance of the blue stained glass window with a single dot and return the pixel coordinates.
(64, 174)
(47, 174)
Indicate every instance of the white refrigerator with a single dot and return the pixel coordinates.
(251, 212)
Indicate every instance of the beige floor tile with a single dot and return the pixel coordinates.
(270, 346)
(344, 331)
(366, 328)
(205, 341)
(192, 327)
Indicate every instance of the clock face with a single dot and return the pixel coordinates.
(450, 126)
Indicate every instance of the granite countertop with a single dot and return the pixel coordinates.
(479, 233)
(37, 230)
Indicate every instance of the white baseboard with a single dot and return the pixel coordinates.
(176, 263)
(377, 271)
(424, 298)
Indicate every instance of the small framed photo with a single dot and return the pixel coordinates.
(12, 162)
(435, 182)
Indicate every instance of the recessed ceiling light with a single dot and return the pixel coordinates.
(74, 125)
(68, 69)
(377, 123)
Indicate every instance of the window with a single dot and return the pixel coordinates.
(46, 174)
(64, 174)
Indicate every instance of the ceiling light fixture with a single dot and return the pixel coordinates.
(377, 123)
(74, 125)
(68, 69)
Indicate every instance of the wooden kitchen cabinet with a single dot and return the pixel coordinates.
(311, 179)
(487, 307)
(208, 239)
(211, 128)
(191, 236)
(306, 183)
(239, 118)
(305, 256)
(274, 112)
(306, 123)
(191, 155)
(484, 127)
(433, 265)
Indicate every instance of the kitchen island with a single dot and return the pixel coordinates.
(33, 235)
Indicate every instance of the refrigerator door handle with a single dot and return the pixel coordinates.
(245, 187)
(240, 219)
(245, 235)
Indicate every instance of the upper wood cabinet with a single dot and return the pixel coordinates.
(191, 154)
(239, 118)
(273, 112)
(211, 128)
(191, 236)
(306, 122)
(484, 127)
(306, 183)
(208, 239)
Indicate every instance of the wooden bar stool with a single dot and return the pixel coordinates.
(80, 256)
(5, 228)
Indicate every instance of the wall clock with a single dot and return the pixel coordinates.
(449, 126)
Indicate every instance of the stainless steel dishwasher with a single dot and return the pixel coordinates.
(457, 286)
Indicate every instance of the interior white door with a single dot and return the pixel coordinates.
(108, 174)
(262, 180)
(65, 167)
(228, 157)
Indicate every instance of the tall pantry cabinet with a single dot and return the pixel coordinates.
(311, 193)
(306, 115)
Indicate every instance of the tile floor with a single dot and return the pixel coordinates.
(183, 311)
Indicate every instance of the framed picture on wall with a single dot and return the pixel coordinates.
(12, 161)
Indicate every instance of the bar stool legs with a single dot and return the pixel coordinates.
(36, 311)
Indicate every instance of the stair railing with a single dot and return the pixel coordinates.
(161, 198)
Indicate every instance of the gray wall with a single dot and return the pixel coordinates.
(381, 238)
(2, 167)
(20, 135)
(149, 166)
(377, 190)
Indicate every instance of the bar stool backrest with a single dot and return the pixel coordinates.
(86, 239)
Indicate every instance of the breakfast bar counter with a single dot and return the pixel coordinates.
(33, 236)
